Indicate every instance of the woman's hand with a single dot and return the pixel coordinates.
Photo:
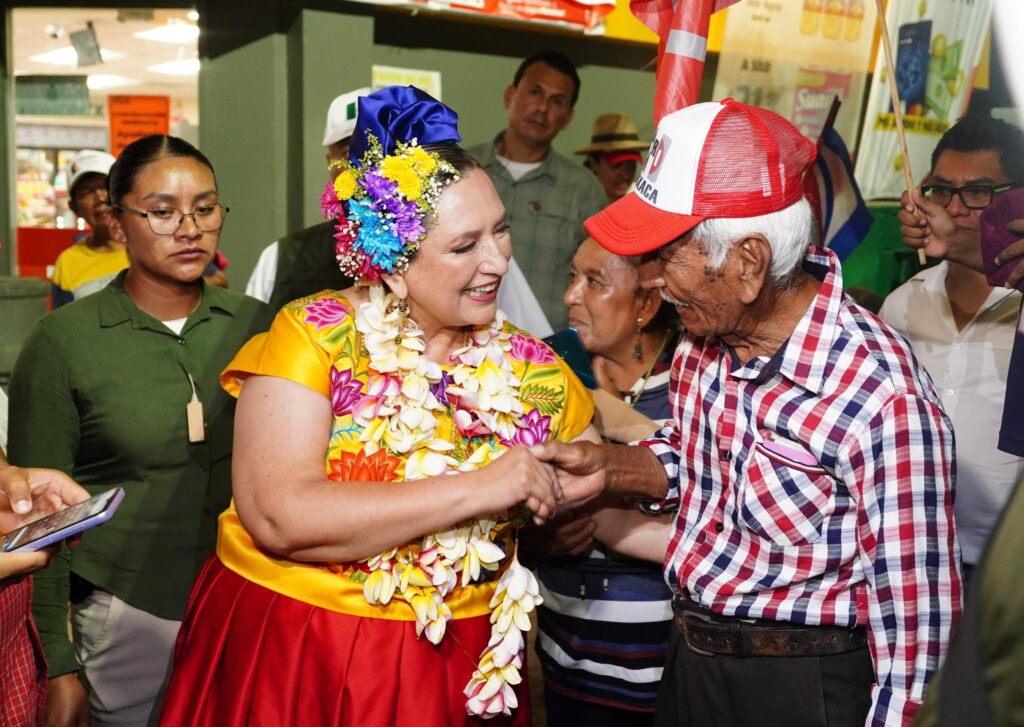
(517, 476)
(67, 704)
(29, 493)
(568, 534)
(15, 565)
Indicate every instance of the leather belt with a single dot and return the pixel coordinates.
(708, 633)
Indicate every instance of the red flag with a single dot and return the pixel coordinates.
(682, 27)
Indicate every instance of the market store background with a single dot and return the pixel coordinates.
(253, 79)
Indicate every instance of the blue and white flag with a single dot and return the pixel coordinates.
(842, 214)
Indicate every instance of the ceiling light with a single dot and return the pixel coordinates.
(186, 67)
(102, 81)
(193, 15)
(67, 56)
(180, 33)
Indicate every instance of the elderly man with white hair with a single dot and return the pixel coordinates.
(813, 556)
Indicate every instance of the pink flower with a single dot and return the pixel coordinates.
(329, 203)
(344, 391)
(469, 424)
(534, 429)
(378, 389)
(325, 312)
(529, 349)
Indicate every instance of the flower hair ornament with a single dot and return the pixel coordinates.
(390, 185)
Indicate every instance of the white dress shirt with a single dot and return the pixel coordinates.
(969, 370)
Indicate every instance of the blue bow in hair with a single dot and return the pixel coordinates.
(402, 113)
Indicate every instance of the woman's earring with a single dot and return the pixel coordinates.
(637, 352)
(403, 318)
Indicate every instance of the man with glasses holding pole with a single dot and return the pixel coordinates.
(960, 327)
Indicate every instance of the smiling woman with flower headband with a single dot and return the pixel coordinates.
(366, 572)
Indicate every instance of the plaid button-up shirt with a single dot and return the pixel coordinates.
(546, 209)
(22, 665)
(815, 487)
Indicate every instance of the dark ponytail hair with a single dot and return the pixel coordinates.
(460, 159)
(454, 154)
(141, 152)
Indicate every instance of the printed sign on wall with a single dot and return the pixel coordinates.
(937, 45)
(794, 56)
(132, 117)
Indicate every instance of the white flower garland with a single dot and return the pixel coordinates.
(398, 413)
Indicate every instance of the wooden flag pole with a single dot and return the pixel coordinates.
(897, 111)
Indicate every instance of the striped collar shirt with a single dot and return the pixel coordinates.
(815, 487)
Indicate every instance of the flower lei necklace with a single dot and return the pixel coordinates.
(405, 389)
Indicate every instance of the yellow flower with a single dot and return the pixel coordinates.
(345, 184)
(400, 170)
(425, 163)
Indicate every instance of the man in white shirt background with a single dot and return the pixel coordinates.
(961, 328)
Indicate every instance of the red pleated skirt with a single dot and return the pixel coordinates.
(249, 656)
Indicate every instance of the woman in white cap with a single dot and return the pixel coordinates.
(96, 259)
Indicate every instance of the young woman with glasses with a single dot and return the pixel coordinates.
(121, 388)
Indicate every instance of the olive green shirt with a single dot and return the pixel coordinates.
(987, 658)
(99, 391)
(546, 209)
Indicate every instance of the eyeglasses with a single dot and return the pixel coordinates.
(167, 220)
(972, 196)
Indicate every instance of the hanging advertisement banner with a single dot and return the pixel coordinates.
(132, 117)
(794, 56)
(937, 44)
(582, 15)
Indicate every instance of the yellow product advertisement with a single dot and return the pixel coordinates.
(937, 45)
(793, 56)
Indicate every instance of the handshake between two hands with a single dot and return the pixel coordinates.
(550, 477)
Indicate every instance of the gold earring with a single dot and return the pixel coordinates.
(637, 352)
(403, 318)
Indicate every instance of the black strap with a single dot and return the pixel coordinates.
(601, 138)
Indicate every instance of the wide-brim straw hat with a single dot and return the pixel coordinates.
(614, 132)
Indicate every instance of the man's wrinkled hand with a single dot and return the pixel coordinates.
(580, 468)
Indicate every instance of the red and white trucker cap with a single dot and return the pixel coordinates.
(708, 160)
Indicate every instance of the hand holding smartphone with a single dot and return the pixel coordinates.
(62, 525)
(995, 237)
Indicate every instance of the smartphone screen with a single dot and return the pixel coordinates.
(64, 524)
(568, 345)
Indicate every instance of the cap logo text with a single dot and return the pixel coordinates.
(659, 148)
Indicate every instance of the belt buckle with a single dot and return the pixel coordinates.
(700, 617)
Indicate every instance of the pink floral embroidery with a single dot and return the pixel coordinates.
(529, 349)
(533, 429)
(326, 312)
(344, 391)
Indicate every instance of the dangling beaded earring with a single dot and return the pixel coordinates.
(637, 353)
(403, 313)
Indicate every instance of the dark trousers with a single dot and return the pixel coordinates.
(563, 711)
(792, 691)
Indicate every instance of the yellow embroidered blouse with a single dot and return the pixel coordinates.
(314, 342)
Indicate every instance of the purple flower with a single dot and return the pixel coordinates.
(440, 389)
(408, 220)
(379, 188)
(344, 391)
(324, 312)
(529, 349)
(533, 429)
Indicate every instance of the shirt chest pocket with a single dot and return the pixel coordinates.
(783, 500)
